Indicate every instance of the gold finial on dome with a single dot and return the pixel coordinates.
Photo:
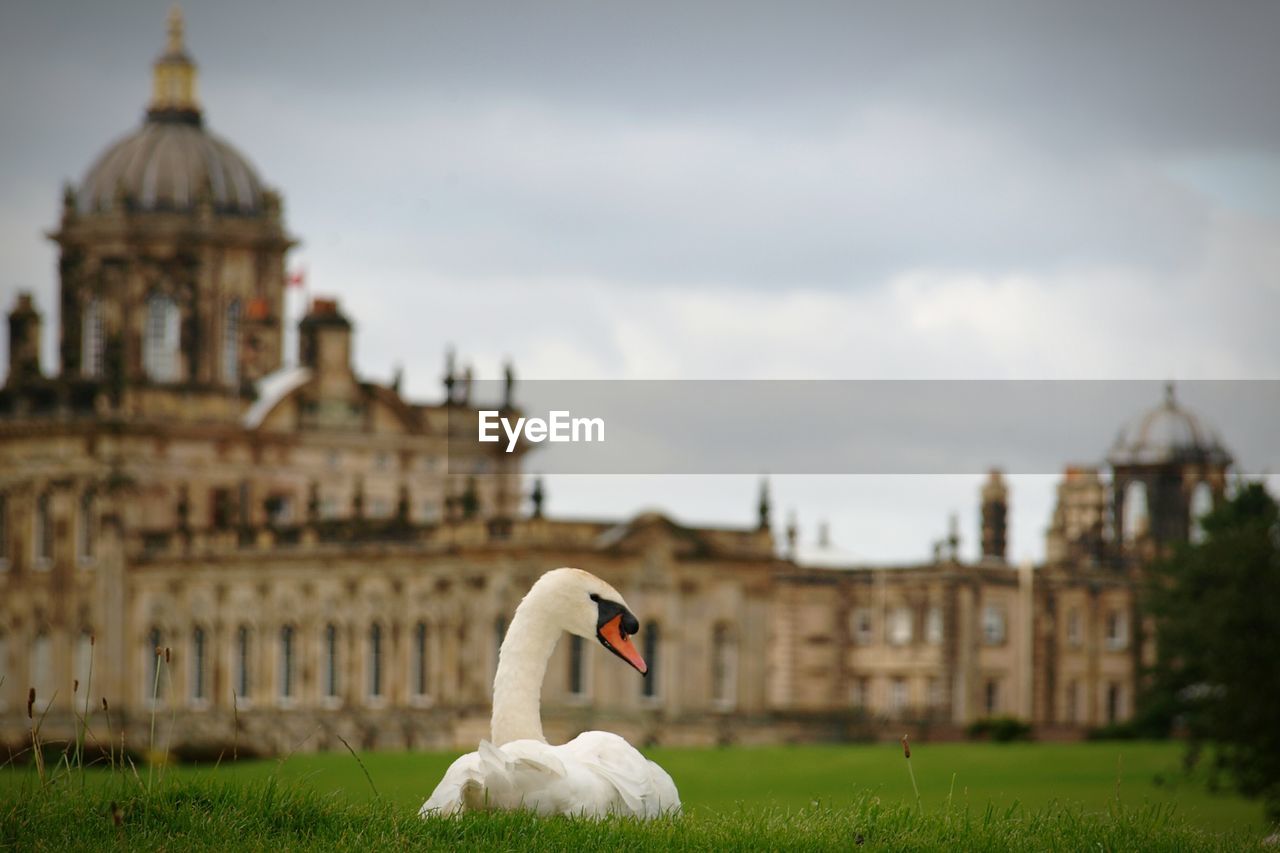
(173, 92)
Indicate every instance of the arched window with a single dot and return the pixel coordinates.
(331, 661)
(231, 344)
(160, 340)
(724, 666)
(649, 684)
(43, 533)
(418, 675)
(375, 661)
(577, 666)
(1201, 506)
(244, 663)
(86, 528)
(91, 339)
(1135, 519)
(199, 678)
(286, 663)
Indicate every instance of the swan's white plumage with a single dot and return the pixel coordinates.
(593, 775)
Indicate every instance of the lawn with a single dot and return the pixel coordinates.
(1120, 794)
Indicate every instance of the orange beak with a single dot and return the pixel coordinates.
(617, 641)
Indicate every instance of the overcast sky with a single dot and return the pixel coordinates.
(724, 190)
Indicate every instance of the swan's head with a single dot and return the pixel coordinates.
(584, 605)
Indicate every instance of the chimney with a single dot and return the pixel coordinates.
(324, 339)
(995, 511)
(24, 340)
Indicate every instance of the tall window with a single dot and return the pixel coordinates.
(863, 633)
(899, 696)
(860, 692)
(899, 627)
(419, 660)
(42, 677)
(244, 663)
(652, 636)
(85, 528)
(1135, 520)
(91, 339)
(1117, 630)
(331, 661)
(1074, 636)
(4, 534)
(231, 344)
(933, 625)
(375, 661)
(43, 533)
(1114, 699)
(1201, 505)
(724, 666)
(160, 342)
(993, 623)
(199, 679)
(992, 691)
(286, 663)
(577, 666)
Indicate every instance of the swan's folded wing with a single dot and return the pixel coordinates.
(639, 790)
(459, 782)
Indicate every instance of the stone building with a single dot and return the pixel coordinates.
(319, 566)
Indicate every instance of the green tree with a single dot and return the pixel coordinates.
(1217, 610)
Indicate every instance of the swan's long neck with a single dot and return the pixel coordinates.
(522, 665)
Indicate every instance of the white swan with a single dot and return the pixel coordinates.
(596, 773)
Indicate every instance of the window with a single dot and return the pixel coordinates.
(1071, 711)
(43, 533)
(933, 625)
(649, 684)
(279, 509)
(231, 344)
(1135, 518)
(860, 692)
(286, 663)
(419, 661)
(1074, 636)
(1201, 506)
(936, 693)
(1117, 631)
(42, 677)
(899, 696)
(899, 629)
(4, 534)
(862, 626)
(160, 342)
(993, 624)
(1115, 699)
(724, 667)
(244, 663)
(375, 661)
(91, 339)
(331, 661)
(198, 673)
(577, 666)
(222, 512)
(992, 696)
(85, 529)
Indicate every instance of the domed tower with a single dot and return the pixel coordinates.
(1169, 469)
(172, 253)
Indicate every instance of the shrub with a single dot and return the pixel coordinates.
(999, 729)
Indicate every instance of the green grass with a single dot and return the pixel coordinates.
(1016, 796)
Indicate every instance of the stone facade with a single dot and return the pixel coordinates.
(318, 566)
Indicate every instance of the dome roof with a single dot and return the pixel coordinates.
(1167, 433)
(171, 162)
(167, 165)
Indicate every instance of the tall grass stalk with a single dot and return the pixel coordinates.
(35, 734)
(906, 751)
